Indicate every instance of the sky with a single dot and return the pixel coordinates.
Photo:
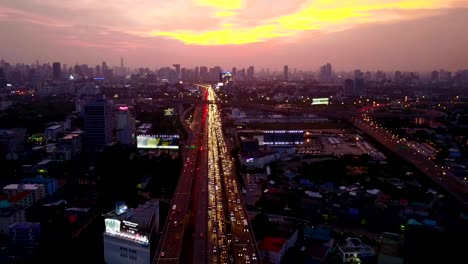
(417, 35)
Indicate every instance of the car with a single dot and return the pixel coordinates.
(175, 223)
(214, 249)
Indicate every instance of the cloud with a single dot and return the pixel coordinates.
(219, 22)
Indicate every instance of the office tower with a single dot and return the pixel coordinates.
(203, 73)
(216, 74)
(326, 72)
(56, 70)
(359, 86)
(98, 122)
(97, 71)
(358, 74)
(177, 69)
(285, 73)
(121, 63)
(234, 72)
(3, 81)
(348, 90)
(124, 127)
(197, 74)
(250, 73)
(130, 234)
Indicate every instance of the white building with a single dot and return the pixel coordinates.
(130, 237)
(52, 132)
(273, 249)
(125, 125)
(38, 190)
(354, 251)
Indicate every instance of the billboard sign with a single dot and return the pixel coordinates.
(320, 101)
(125, 229)
(158, 141)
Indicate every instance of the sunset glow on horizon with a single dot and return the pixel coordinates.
(317, 15)
(97, 30)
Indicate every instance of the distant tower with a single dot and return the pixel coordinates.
(121, 63)
(286, 73)
(56, 70)
(250, 73)
(348, 88)
(98, 122)
(177, 69)
(326, 72)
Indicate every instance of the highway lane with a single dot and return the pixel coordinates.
(170, 244)
(438, 174)
(200, 251)
(235, 240)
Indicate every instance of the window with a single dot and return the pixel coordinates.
(133, 258)
(123, 255)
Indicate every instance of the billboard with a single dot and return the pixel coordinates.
(125, 229)
(320, 101)
(283, 137)
(158, 141)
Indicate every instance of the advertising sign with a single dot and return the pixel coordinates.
(158, 141)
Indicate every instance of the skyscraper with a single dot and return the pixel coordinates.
(56, 70)
(348, 88)
(177, 69)
(285, 73)
(250, 73)
(326, 72)
(124, 125)
(98, 122)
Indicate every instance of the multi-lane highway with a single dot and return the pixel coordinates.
(178, 221)
(229, 231)
(207, 222)
(438, 174)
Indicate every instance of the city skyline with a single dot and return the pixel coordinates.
(391, 35)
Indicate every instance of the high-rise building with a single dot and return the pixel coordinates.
(98, 122)
(3, 81)
(203, 73)
(177, 69)
(348, 88)
(250, 73)
(326, 72)
(130, 234)
(285, 73)
(234, 72)
(56, 70)
(124, 127)
(359, 86)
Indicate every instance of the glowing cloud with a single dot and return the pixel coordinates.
(322, 15)
(222, 4)
(227, 35)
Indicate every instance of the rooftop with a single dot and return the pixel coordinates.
(54, 127)
(25, 225)
(142, 215)
(273, 244)
(18, 196)
(25, 186)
